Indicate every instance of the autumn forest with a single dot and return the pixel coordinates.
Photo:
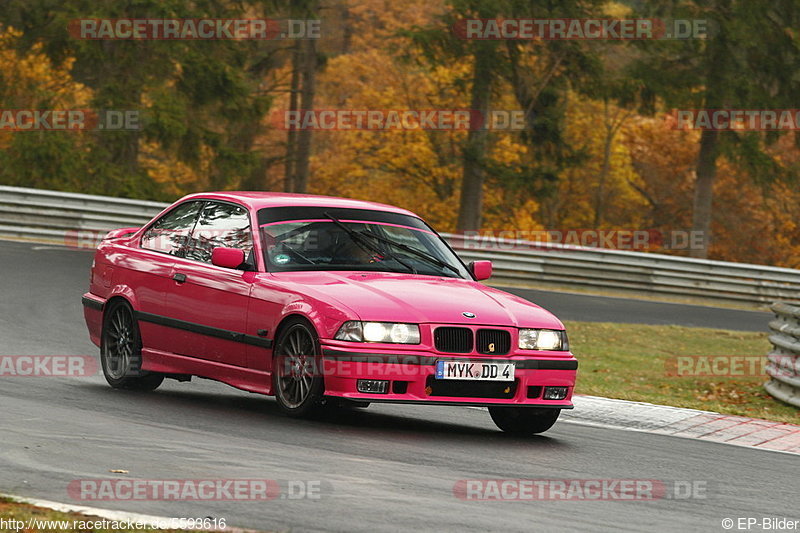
(598, 147)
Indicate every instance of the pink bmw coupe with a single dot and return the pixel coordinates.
(320, 300)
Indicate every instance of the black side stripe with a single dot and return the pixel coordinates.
(204, 330)
(92, 304)
(425, 360)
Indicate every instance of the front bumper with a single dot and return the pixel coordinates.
(412, 378)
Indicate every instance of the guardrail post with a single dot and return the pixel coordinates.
(783, 362)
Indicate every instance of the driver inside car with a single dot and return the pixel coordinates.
(343, 249)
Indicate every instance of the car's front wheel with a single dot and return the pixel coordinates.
(296, 372)
(523, 421)
(121, 351)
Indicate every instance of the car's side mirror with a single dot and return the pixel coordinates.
(227, 257)
(481, 269)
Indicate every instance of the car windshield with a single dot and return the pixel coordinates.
(342, 242)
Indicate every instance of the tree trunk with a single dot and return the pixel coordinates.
(718, 64)
(291, 135)
(120, 150)
(704, 189)
(471, 206)
(306, 104)
(347, 29)
(599, 200)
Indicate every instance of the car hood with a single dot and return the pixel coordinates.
(397, 297)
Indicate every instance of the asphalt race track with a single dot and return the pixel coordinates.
(387, 468)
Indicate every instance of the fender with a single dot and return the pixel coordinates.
(325, 318)
(125, 292)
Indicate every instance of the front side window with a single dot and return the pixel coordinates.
(220, 225)
(339, 242)
(170, 232)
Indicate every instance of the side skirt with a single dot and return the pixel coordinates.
(242, 378)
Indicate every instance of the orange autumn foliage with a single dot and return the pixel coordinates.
(369, 63)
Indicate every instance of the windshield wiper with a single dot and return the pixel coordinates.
(411, 250)
(359, 239)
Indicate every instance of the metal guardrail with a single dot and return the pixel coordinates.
(783, 362)
(557, 264)
(63, 217)
(59, 217)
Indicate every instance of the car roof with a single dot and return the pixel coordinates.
(261, 199)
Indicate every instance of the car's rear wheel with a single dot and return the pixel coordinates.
(121, 351)
(523, 421)
(296, 374)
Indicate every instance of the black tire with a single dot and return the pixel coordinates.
(121, 351)
(523, 421)
(297, 380)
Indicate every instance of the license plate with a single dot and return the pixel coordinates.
(475, 370)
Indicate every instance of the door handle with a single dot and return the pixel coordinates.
(180, 278)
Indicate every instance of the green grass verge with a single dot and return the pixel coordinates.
(630, 361)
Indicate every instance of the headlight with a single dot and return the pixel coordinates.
(543, 339)
(350, 331)
(391, 332)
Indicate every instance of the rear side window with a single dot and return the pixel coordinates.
(170, 232)
(219, 225)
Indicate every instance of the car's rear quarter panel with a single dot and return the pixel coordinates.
(135, 275)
